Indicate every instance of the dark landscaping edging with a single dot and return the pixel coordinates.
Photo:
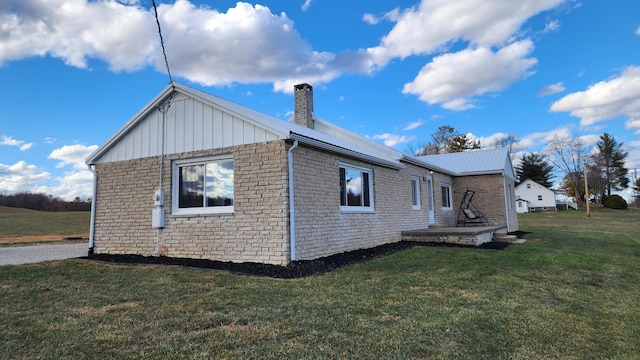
(297, 269)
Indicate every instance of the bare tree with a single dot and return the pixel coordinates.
(506, 140)
(445, 140)
(568, 155)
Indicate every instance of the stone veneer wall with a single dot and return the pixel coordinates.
(489, 198)
(322, 229)
(257, 231)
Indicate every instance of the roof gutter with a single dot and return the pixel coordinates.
(92, 227)
(342, 151)
(506, 200)
(292, 212)
(420, 163)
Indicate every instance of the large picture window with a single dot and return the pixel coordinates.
(446, 196)
(356, 189)
(203, 186)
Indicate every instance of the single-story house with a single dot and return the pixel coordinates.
(192, 175)
(539, 197)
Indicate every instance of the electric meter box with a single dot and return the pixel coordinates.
(158, 198)
(157, 218)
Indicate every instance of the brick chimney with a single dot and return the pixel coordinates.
(303, 110)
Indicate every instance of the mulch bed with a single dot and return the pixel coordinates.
(296, 269)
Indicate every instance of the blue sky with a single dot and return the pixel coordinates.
(74, 71)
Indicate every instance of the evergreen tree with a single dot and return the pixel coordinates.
(462, 143)
(534, 167)
(610, 160)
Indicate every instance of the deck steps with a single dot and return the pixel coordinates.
(472, 235)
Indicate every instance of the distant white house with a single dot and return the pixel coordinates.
(537, 197)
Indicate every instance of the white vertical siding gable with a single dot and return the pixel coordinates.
(190, 125)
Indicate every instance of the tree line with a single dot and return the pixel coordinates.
(42, 202)
(603, 165)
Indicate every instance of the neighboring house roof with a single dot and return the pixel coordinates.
(336, 139)
(475, 162)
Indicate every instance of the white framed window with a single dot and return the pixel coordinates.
(539, 197)
(446, 196)
(415, 193)
(528, 186)
(356, 188)
(203, 186)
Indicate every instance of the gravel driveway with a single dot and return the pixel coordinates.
(16, 255)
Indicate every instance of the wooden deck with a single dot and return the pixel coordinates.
(470, 235)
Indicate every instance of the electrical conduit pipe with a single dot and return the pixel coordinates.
(292, 217)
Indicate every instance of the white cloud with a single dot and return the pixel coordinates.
(73, 30)
(77, 183)
(633, 124)
(247, 44)
(9, 141)
(537, 139)
(552, 26)
(551, 89)
(605, 100)
(21, 177)
(413, 125)
(478, 22)
(638, 31)
(73, 155)
(453, 79)
(392, 140)
(306, 5)
(370, 19)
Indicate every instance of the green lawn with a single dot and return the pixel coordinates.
(572, 291)
(47, 225)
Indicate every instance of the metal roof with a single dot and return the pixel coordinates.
(338, 139)
(475, 162)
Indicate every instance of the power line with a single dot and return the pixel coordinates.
(166, 62)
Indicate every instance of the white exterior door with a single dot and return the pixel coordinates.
(432, 218)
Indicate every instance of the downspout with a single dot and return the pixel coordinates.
(292, 217)
(93, 208)
(506, 200)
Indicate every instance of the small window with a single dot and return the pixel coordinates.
(446, 196)
(356, 188)
(539, 197)
(203, 186)
(519, 204)
(528, 186)
(415, 193)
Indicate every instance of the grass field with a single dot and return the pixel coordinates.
(22, 226)
(572, 291)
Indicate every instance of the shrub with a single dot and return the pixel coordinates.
(615, 202)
